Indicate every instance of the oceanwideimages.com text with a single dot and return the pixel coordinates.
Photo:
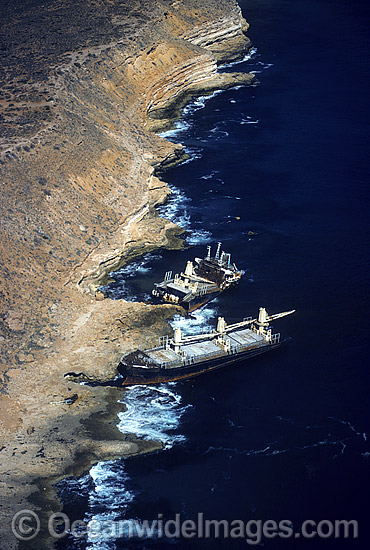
(26, 525)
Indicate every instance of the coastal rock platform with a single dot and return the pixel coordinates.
(84, 86)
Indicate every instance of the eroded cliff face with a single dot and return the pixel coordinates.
(83, 86)
(77, 154)
(77, 157)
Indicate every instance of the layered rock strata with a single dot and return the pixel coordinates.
(83, 84)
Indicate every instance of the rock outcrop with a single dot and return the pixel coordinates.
(83, 86)
(224, 37)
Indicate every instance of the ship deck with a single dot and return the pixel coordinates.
(173, 287)
(162, 355)
(245, 337)
(199, 349)
(241, 339)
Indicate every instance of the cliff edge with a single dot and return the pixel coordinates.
(84, 86)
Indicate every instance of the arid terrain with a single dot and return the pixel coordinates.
(84, 87)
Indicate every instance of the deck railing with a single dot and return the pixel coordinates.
(192, 359)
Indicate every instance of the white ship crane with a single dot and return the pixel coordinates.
(259, 325)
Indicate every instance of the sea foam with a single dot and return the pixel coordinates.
(153, 413)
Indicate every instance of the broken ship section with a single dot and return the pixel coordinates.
(184, 357)
(202, 280)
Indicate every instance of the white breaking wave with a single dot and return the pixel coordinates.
(209, 176)
(123, 289)
(106, 487)
(264, 66)
(249, 121)
(252, 55)
(244, 119)
(198, 236)
(184, 125)
(194, 154)
(252, 52)
(142, 266)
(175, 208)
(177, 211)
(200, 320)
(218, 133)
(109, 491)
(199, 103)
(179, 127)
(153, 413)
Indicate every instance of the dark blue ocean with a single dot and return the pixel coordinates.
(285, 435)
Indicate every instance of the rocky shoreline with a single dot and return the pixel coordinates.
(80, 164)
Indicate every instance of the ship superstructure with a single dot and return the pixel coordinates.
(187, 356)
(202, 280)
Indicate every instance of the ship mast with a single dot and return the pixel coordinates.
(260, 326)
(177, 339)
(217, 255)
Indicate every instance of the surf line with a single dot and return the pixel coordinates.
(142, 405)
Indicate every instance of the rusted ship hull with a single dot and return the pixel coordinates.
(200, 301)
(132, 375)
(201, 281)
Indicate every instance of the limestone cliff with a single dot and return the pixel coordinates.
(77, 154)
(83, 85)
